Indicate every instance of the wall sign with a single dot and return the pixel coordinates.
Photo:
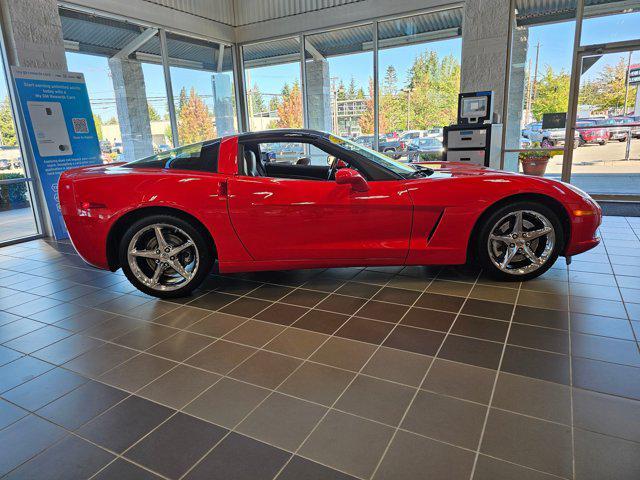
(634, 74)
(57, 112)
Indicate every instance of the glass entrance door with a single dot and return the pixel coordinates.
(605, 160)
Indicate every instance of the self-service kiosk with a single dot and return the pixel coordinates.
(474, 139)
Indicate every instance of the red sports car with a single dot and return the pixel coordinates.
(167, 218)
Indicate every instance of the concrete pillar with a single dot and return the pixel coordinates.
(133, 111)
(485, 32)
(517, 93)
(221, 84)
(318, 85)
(33, 33)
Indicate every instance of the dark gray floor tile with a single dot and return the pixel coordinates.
(46, 388)
(416, 340)
(606, 377)
(121, 426)
(527, 441)
(547, 366)
(70, 459)
(124, 470)
(24, 439)
(240, 458)
(607, 414)
(221, 357)
(82, 404)
(601, 456)
(176, 445)
(481, 353)
(179, 386)
(20, 371)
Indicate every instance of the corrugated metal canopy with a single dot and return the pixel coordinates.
(402, 31)
(103, 36)
(541, 11)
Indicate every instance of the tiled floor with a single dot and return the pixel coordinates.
(383, 373)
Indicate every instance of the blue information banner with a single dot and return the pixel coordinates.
(61, 130)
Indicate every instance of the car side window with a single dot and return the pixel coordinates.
(198, 157)
(292, 160)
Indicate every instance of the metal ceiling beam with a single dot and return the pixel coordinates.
(136, 43)
(313, 51)
(220, 57)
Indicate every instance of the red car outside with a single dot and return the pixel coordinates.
(590, 132)
(166, 219)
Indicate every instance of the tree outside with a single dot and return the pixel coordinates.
(289, 108)
(7, 128)
(194, 119)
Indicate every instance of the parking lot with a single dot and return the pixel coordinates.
(603, 169)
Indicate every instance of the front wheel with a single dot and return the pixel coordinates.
(520, 241)
(165, 256)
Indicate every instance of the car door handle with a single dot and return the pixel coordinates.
(222, 188)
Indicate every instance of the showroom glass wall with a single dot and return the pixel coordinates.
(573, 58)
(150, 89)
(19, 217)
(372, 81)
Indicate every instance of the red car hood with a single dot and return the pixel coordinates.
(460, 169)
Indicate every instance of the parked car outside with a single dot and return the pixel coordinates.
(392, 147)
(635, 128)
(424, 149)
(17, 162)
(105, 146)
(117, 147)
(5, 164)
(615, 128)
(590, 133)
(525, 142)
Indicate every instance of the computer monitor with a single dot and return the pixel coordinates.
(474, 107)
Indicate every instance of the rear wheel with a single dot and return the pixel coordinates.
(165, 256)
(520, 241)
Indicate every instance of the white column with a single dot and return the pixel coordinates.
(318, 86)
(133, 111)
(221, 84)
(485, 33)
(33, 33)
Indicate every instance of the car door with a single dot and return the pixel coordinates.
(300, 219)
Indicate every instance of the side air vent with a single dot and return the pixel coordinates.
(435, 225)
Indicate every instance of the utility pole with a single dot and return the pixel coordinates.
(626, 86)
(528, 92)
(535, 75)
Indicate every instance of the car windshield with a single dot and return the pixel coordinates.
(429, 142)
(376, 157)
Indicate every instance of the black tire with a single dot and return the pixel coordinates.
(489, 223)
(203, 246)
(546, 143)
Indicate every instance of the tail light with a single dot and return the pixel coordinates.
(403, 145)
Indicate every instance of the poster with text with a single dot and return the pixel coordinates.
(58, 117)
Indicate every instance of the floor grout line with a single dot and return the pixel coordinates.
(424, 377)
(493, 390)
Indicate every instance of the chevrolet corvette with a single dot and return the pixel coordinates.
(166, 219)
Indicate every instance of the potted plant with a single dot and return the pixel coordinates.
(534, 162)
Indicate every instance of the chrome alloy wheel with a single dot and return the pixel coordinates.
(163, 257)
(521, 242)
